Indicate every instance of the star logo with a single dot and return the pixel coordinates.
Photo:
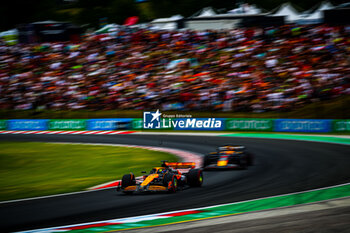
(151, 120)
(156, 115)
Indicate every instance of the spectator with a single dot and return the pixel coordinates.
(233, 70)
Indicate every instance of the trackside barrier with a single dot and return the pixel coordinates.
(302, 125)
(228, 124)
(3, 124)
(109, 124)
(137, 123)
(27, 124)
(67, 124)
(244, 124)
(341, 125)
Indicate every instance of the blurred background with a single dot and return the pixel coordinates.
(88, 58)
(90, 12)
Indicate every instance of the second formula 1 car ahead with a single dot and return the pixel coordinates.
(169, 177)
(228, 156)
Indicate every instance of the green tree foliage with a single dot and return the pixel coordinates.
(122, 9)
(116, 11)
(14, 12)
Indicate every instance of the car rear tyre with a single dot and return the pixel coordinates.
(195, 178)
(128, 180)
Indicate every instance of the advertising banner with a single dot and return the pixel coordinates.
(341, 125)
(67, 124)
(2, 124)
(244, 124)
(109, 124)
(137, 123)
(303, 125)
(27, 124)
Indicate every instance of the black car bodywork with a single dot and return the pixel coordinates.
(227, 157)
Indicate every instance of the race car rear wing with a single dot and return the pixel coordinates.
(230, 148)
(181, 165)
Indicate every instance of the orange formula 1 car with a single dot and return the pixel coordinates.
(169, 177)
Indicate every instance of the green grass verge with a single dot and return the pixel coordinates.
(30, 169)
(331, 109)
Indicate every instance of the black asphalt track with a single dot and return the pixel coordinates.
(281, 166)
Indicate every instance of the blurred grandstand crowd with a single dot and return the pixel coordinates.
(237, 70)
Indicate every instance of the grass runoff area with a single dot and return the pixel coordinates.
(31, 169)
